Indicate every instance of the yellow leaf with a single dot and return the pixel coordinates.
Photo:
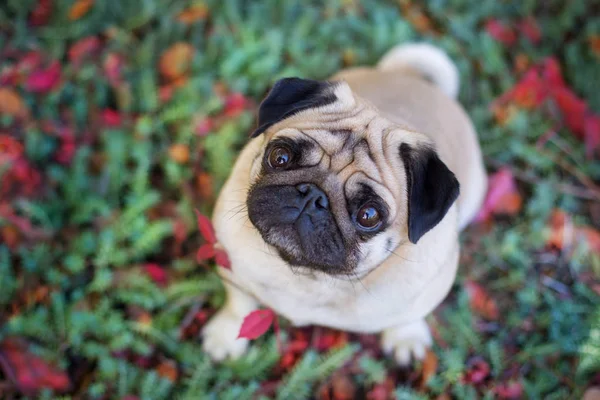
(79, 9)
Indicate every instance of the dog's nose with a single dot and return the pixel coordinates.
(313, 196)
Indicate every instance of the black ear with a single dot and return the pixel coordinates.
(432, 188)
(289, 96)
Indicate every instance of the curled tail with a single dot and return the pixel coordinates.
(427, 59)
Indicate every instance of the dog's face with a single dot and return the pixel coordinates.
(337, 187)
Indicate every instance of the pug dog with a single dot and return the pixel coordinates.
(345, 207)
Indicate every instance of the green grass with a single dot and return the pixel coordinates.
(74, 285)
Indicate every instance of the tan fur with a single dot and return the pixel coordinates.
(390, 292)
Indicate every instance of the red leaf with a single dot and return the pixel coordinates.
(113, 68)
(83, 48)
(41, 13)
(205, 252)
(235, 104)
(511, 390)
(552, 73)
(480, 301)
(591, 128)
(111, 118)
(222, 259)
(501, 32)
(478, 370)
(204, 126)
(30, 372)
(502, 196)
(530, 28)
(205, 226)
(156, 273)
(573, 109)
(256, 324)
(43, 81)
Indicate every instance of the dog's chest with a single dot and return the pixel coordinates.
(322, 300)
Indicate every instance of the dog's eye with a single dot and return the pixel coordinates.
(279, 157)
(368, 217)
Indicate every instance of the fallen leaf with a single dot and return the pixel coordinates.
(480, 301)
(510, 390)
(41, 14)
(222, 259)
(204, 184)
(79, 9)
(477, 371)
(168, 369)
(156, 273)
(595, 44)
(235, 104)
(530, 29)
(11, 103)
(430, 364)
(203, 126)
(591, 133)
(192, 14)
(111, 118)
(175, 61)
(501, 32)
(573, 109)
(29, 372)
(179, 153)
(551, 72)
(256, 324)
(502, 196)
(206, 228)
(565, 236)
(205, 252)
(44, 80)
(83, 48)
(113, 68)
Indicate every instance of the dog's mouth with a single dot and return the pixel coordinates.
(300, 227)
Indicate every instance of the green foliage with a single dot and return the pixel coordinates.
(75, 286)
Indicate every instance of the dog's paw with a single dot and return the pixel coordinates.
(220, 336)
(406, 341)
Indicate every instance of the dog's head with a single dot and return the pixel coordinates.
(336, 186)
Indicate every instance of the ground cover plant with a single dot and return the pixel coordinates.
(119, 119)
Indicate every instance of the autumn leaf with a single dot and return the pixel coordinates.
(530, 29)
(594, 40)
(83, 48)
(179, 153)
(30, 373)
(222, 259)
(206, 228)
(40, 15)
(44, 80)
(502, 196)
(168, 370)
(430, 364)
(565, 235)
(111, 118)
(193, 14)
(501, 32)
(113, 68)
(509, 390)
(591, 132)
(205, 252)
(477, 371)
(11, 103)
(79, 9)
(235, 104)
(480, 301)
(203, 126)
(256, 324)
(156, 273)
(175, 62)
